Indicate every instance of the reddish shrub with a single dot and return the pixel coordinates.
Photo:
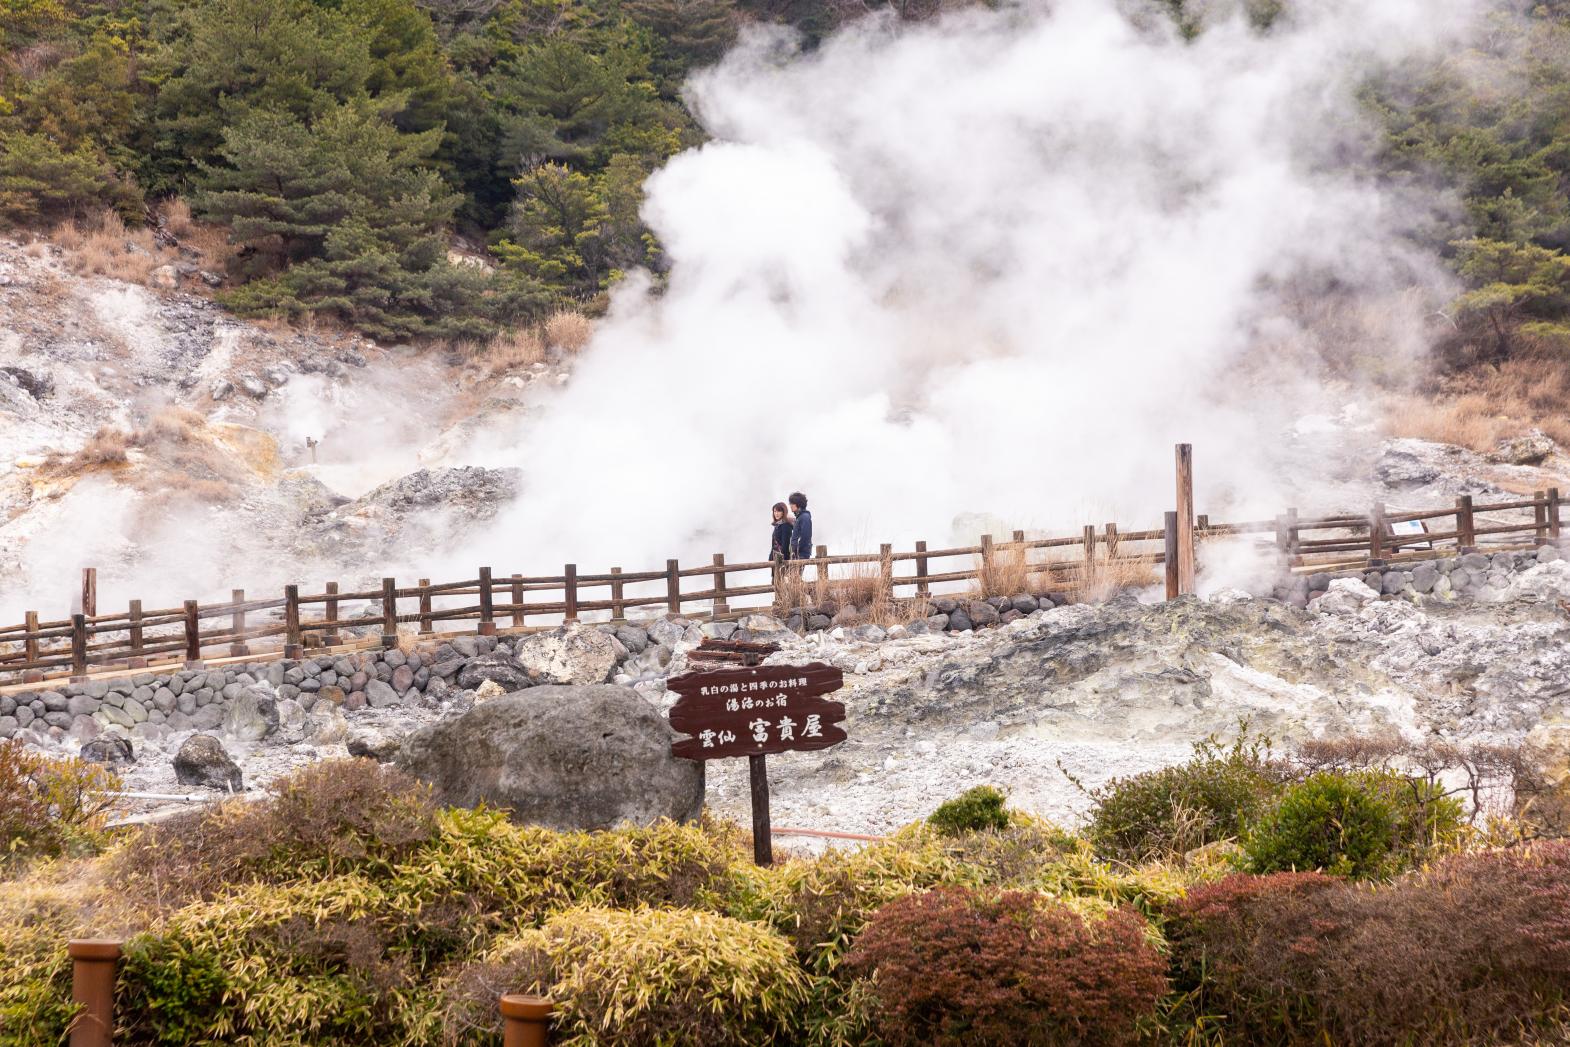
(951, 966)
(1476, 949)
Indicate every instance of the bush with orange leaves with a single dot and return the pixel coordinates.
(956, 966)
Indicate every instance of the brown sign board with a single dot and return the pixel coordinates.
(756, 710)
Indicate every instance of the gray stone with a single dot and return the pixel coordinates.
(85, 728)
(666, 632)
(9, 725)
(1503, 562)
(354, 700)
(207, 718)
(632, 638)
(143, 695)
(447, 667)
(310, 685)
(326, 725)
(1394, 582)
(231, 691)
(150, 732)
(374, 743)
(285, 691)
(205, 696)
(96, 688)
(573, 655)
(8, 704)
(290, 713)
(80, 705)
(177, 721)
(294, 676)
(394, 658)
(108, 749)
(1424, 576)
(1460, 579)
(937, 622)
(342, 666)
(144, 680)
(357, 680)
(870, 633)
(164, 700)
(382, 672)
(250, 716)
(110, 714)
(816, 623)
(422, 678)
(1477, 563)
(468, 646)
(136, 710)
(1375, 580)
(202, 761)
(113, 698)
(1318, 582)
(589, 757)
(402, 679)
(59, 719)
(503, 669)
(275, 673)
(314, 668)
(1548, 554)
(54, 701)
(1024, 603)
(959, 622)
(379, 695)
(982, 613)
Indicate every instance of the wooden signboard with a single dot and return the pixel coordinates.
(754, 711)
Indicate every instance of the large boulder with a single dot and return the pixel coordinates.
(589, 757)
(202, 761)
(496, 667)
(574, 655)
(250, 716)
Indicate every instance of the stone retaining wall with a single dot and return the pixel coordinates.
(1480, 575)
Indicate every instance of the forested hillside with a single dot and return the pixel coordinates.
(344, 143)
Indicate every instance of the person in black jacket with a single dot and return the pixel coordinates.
(779, 548)
(801, 534)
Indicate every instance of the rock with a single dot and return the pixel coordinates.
(1394, 582)
(108, 749)
(203, 762)
(1024, 603)
(982, 613)
(762, 624)
(816, 623)
(1407, 463)
(488, 690)
(938, 622)
(1424, 577)
(504, 669)
(1345, 596)
(1530, 449)
(585, 757)
(717, 630)
(666, 632)
(574, 655)
(80, 705)
(870, 633)
(250, 716)
(164, 278)
(374, 744)
(290, 713)
(1010, 615)
(402, 679)
(253, 386)
(85, 728)
(1548, 554)
(221, 389)
(959, 621)
(379, 695)
(632, 638)
(326, 725)
(106, 715)
(1477, 564)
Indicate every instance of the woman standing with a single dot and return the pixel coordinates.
(779, 548)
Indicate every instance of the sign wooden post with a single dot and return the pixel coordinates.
(753, 711)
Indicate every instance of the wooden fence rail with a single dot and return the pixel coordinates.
(38, 650)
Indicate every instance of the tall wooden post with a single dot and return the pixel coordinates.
(390, 612)
(984, 579)
(1185, 511)
(193, 636)
(673, 587)
(822, 559)
(78, 646)
(331, 637)
(923, 589)
(762, 832)
(1376, 534)
(570, 592)
(424, 608)
(487, 625)
(1088, 540)
(886, 569)
(30, 642)
(1170, 559)
(237, 646)
(517, 600)
(293, 647)
(618, 608)
(134, 626)
(1466, 529)
(721, 603)
(1553, 513)
(1112, 541)
(92, 990)
(1540, 515)
(90, 592)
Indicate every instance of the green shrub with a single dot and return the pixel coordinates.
(40, 181)
(50, 807)
(1168, 812)
(974, 810)
(35, 989)
(1360, 825)
(951, 966)
(648, 976)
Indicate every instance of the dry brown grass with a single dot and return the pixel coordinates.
(173, 424)
(1126, 572)
(177, 218)
(105, 246)
(510, 350)
(1480, 407)
(1008, 572)
(105, 450)
(568, 330)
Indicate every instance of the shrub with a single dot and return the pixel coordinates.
(974, 810)
(1359, 825)
(1474, 950)
(50, 807)
(643, 977)
(951, 966)
(1212, 797)
(35, 993)
(568, 329)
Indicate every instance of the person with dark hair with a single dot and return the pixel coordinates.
(801, 534)
(779, 548)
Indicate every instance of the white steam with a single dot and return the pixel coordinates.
(995, 264)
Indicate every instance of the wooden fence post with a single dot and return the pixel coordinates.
(390, 612)
(1201, 524)
(923, 590)
(1553, 513)
(1112, 541)
(823, 568)
(526, 1021)
(1171, 557)
(30, 643)
(487, 626)
(886, 569)
(292, 646)
(1185, 511)
(1376, 535)
(134, 626)
(1540, 515)
(721, 604)
(1089, 542)
(92, 990)
(984, 576)
(673, 587)
(90, 592)
(193, 636)
(618, 611)
(78, 646)
(237, 646)
(1292, 536)
(569, 588)
(331, 638)
(1466, 529)
(517, 600)
(425, 607)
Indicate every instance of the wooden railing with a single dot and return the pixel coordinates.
(286, 626)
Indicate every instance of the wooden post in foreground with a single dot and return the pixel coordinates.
(618, 611)
(92, 989)
(390, 612)
(673, 586)
(1376, 535)
(1171, 557)
(1553, 513)
(30, 644)
(90, 592)
(569, 588)
(237, 645)
(886, 570)
(134, 614)
(1185, 511)
(526, 1021)
(1089, 540)
(487, 604)
(425, 607)
(1540, 515)
(292, 647)
(721, 604)
(762, 835)
(193, 636)
(1466, 529)
(923, 590)
(78, 647)
(331, 637)
(517, 600)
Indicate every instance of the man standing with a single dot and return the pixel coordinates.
(801, 535)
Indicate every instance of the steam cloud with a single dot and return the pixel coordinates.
(996, 264)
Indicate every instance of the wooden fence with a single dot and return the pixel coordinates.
(1097, 557)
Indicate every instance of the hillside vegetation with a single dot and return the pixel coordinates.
(343, 143)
